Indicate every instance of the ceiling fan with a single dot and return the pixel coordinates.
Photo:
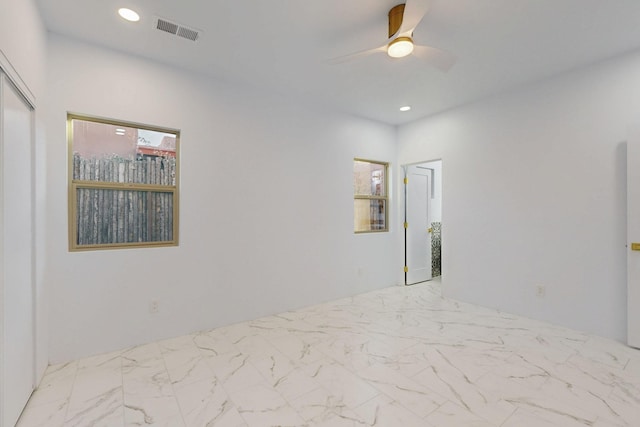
(403, 20)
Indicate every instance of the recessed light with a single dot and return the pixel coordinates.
(405, 108)
(129, 14)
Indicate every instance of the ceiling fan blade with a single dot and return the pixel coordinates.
(341, 59)
(414, 11)
(441, 59)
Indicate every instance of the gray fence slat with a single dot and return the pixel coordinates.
(118, 216)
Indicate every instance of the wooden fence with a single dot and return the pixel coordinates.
(114, 215)
(145, 170)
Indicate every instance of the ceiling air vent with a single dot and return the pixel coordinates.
(176, 29)
(188, 33)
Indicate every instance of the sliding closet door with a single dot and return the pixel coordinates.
(17, 252)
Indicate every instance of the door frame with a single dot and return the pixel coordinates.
(633, 238)
(403, 207)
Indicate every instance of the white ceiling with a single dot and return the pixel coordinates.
(283, 45)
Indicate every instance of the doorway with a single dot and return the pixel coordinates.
(422, 221)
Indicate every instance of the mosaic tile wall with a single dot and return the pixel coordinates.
(436, 248)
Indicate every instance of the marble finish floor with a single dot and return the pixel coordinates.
(401, 356)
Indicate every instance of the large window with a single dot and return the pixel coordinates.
(123, 188)
(370, 190)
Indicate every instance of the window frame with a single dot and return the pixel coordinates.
(385, 198)
(75, 185)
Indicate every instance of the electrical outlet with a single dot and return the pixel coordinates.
(153, 306)
(540, 290)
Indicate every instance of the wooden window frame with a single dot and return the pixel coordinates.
(76, 184)
(385, 198)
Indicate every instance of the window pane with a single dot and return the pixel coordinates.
(140, 170)
(124, 184)
(115, 153)
(370, 215)
(107, 216)
(368, 179)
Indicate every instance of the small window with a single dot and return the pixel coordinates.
(123, 188)
(370, 191)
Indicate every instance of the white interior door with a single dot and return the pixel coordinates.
(633, 240)
(16, 286)
(417, 224)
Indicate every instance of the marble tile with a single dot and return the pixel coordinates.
(284, 375)
(343, 384)
(609, 423)
(555, 413)
(448, 379)
(419, 399)
(534, 344)
(239, 332)
(48, 414)
(152, 415)
(557, 398)
(397, 356)
(142, 352)
(97, 395)
(608, 352)
(474, 363)
(260, 405)
(213, 343)
(186, 365)
(633, 367)
(526, 418)
(56, 384)
(580, 372)
(256, 346)
(383, 411)
(95, 383)
(274, 366)
(104, 409)
(408, 363)
(453, 415)
(342, 420)
(149, 399)
(205, 403)
(144, 361)
(234, 371)
(346, 348)
(295, 384)
(178, 344)
(297, 349)
(513, 383)
(101, 361)
(623, 404)
(273, 326)
(321, 407)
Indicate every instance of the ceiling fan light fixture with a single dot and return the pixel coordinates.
(400, 47)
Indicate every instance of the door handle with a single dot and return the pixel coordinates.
(635, 246)
(430, 230)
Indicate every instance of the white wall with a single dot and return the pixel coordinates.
(23, 44)
(534, 193)
(266, 206)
